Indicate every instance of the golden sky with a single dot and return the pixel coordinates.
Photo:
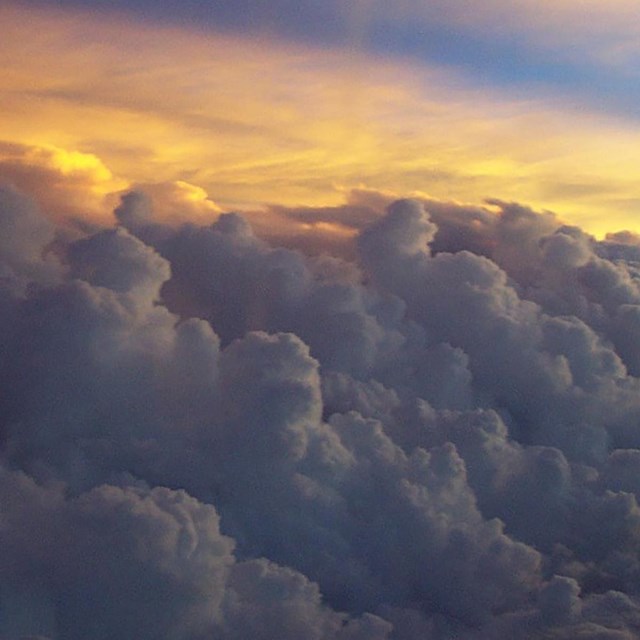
(91, 104)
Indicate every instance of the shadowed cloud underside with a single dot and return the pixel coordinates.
(204, 435)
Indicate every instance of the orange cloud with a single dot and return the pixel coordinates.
(178, 202)
(67, 184)
(247, 121)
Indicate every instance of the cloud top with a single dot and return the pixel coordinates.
(206, 435)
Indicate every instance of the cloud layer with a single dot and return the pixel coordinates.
(205, 435)
(254, 116)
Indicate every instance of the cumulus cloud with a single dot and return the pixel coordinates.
(174, 203)
(25, 237)
(71, 184)
(146, 563)
(204, 434)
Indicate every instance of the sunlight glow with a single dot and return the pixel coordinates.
(249, 122)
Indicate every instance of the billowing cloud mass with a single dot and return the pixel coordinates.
(428, 431)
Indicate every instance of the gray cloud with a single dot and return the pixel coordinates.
(205, 435)
(132, 562)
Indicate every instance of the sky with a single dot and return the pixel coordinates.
(237, 106)
(319, 321)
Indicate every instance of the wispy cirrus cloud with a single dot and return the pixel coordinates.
(254, 120)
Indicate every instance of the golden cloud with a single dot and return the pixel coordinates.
(67, 184)
(247, 121)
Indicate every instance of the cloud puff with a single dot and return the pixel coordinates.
(70, 184)
(173, 202)
(205, 435)
(124, 561)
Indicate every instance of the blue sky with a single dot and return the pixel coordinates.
(517, 55)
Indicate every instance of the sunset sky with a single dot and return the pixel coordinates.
(319, 319)
(222, 105)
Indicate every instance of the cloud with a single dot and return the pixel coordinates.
(203, 434)
(25, 236)
(174, 574)
(243, 122)
(69, 184)
(177, 202)
(78, 190)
